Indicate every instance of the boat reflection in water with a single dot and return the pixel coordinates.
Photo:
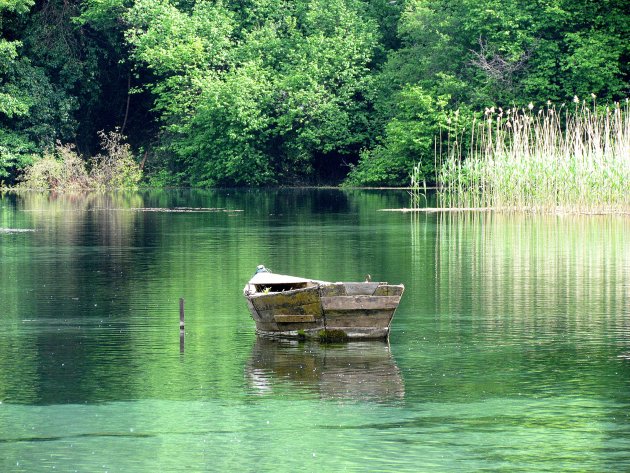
(356, 371)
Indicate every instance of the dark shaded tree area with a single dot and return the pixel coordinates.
(278, 92)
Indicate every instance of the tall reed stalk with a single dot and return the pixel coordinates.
(554, 159)
(418, 187)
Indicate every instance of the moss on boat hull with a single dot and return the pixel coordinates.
(358, 310)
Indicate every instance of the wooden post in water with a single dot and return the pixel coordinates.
(181, 313)
(182, 331)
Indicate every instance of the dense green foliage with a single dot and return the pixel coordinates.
(277, 92)
(475, 54)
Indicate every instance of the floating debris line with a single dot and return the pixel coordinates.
(441, 209)
(559, 210)
(16, 230)
(174, 209)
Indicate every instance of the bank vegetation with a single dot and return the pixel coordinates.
(279, 92)
(572, 158)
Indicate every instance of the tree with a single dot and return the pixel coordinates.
(49, 82)
(260, 101)
(15, 148)
(484, 53)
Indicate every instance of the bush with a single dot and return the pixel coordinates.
(63, 169)
(16, 152)
(409, 138)
(379, 167)
(116, 168)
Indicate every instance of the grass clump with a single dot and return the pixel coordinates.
(64, 169)
(61, 168)
(551, 159)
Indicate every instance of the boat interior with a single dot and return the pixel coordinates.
(283, 286)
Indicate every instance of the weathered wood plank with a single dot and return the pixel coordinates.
(359, 319)
(329, 290)
(360, 302)
(360, 288)
(396, 290)
(314, 309)
(286, 299)
(290, 318)
(389, 290)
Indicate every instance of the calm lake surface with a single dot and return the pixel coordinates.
(510, 350)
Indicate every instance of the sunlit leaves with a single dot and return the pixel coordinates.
(16, 6)
(169, 40)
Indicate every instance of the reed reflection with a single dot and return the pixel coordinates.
(364, 371)
(526, 265)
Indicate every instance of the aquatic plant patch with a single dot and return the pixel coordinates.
(550, 159)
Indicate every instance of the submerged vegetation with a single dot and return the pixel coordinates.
(557, 159)
(332, 336)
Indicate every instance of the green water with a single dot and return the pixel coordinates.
(510, 350)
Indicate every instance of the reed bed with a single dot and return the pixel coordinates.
(573, 159)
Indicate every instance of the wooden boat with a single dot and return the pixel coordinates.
(291, 306)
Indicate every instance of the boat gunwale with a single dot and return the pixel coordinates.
(315, 284)
(288, 292)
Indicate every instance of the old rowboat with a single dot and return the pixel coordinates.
(297, 307)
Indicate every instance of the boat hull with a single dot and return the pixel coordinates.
(358, 310)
